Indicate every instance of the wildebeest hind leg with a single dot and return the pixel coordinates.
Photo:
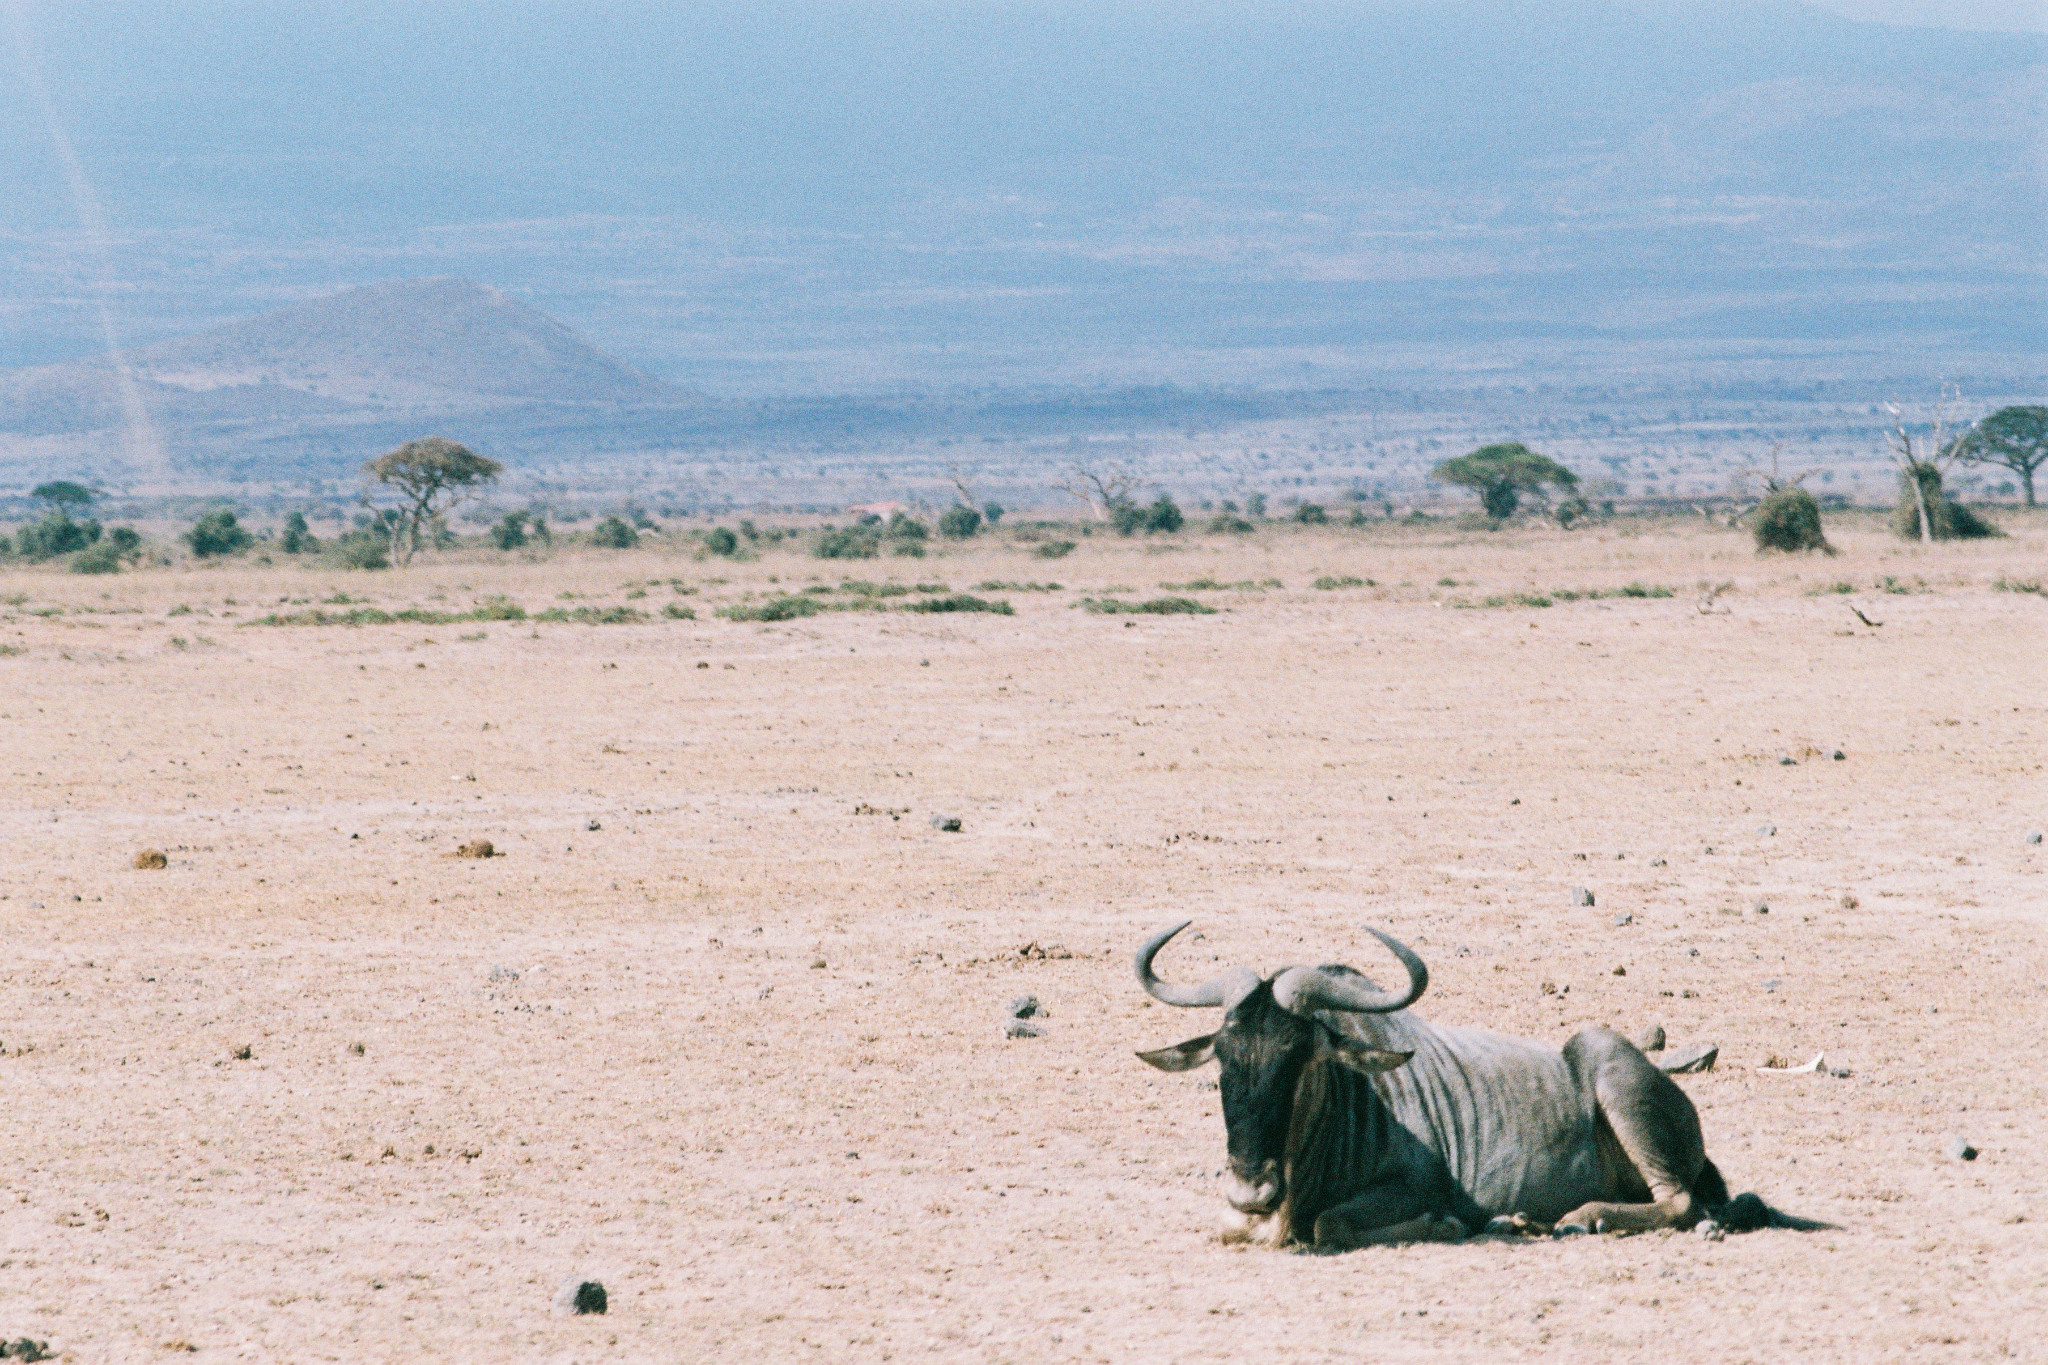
(1657, 1130)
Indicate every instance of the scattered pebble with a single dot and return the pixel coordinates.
(1022, 1028)
(1024, 1006)
(1048, 952)
(578, 1296)
(1839, 755)
(1850, 902)
(2033, 837)
(1787, 761)
(477, 848)
(594, 825)
(817, 964)
(1961, 1150)
(1582, 896)
(950, 824)
(1620, 971)
(1763, 907)
(1773, 984)
(504, 974)
(1623, 920)
(242, 1052)
(355, 1049)
(153, 859)
(1766, 831)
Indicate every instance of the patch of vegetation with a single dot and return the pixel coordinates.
(960, 601)
(1827, 589)
(1312, 514)
(1329, 582)
(1788, 519)
(1638, 590)
(959, 522)
(2004, 584)
(783, 608)
(676, 611)
(855, 542)
(1157, 606)
(721, 541)
(1229, 523)
(510, 532)
(1217, 585)
(362, 548)
(297, 537)
(104, 557)
(614, 533)
(594, 616)
(1889, 584)
(1055, 549)
(1005, 585)
(216, 534)
(1946, 520)
(56, 534)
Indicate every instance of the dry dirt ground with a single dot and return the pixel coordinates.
(751, 1070)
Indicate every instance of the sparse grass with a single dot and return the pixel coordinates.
(676, 611)
(1829, 589)
(495, 609)
(11, 651)
(1054, 549)
(1157, 606)
(1215, 585)
(1004, 585)
(2004, 584)
(594, 616)
(787, 607)
(1897, 588)
(960, 601)
(1329, 582)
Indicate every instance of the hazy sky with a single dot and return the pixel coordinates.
(1987, 16)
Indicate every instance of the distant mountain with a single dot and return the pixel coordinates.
(333, 373)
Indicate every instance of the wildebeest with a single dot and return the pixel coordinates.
(1352, 1122)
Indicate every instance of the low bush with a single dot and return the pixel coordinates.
(613, 533)
(1229, 523)
(784, 608)
(217, 534)
(1946, 520)
(959, 523)
(1312, 514)
(102, 557)
(362, 548)
(676, 611)
(721, 541)
(852, 543)
(1009, 585)
(510, 532)
(1055, 549)
(1328, 582)
(1788, 519)
(1164, 515)
(593, 616)
(961, 601)
(56, 534)
(1157, 606)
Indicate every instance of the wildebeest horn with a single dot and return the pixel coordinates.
(1226, 989)
(1301, 990)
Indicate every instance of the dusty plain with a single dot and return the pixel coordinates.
(751, 1071)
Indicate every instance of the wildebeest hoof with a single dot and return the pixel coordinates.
(1514, 1225)
(1567, 1230)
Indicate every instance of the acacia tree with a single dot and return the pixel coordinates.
(1501, 473)
(431, 474)
(63, 495)
(2014, 437)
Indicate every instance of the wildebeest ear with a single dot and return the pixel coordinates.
(1363, 1057)
(1182, 1056)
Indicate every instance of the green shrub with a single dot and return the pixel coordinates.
(784, 608)
(676, 611)
(1329, 581)
(510, 532)
(1164, 515)
(594, 616)
(1228, 523)
(498, 609)
(56, 534)
(720, 541)
(1009, 585)
(1312, 514)
(362, 548)
(1127, 517)
(961, 601)
(217, 533)
(991, 512)
(1055, 549)
(853, 543)
(1789, 519)
(613, 533)
(1643, 590)
(1158, 606)
(2005, 584)
(296, 537)
(904, 527)
(959, 523)
(100, 558)
(1947, 520)
(126, 540)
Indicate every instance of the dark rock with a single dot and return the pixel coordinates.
(578, 1296)
(1623, 920)
(1024, 1006)
(1839, 755)
(1960, 1150)
(1763, 907)
(1582, 896)
(594, 825)
(2034, 836)
(1022, 1028)
(1787, 761)
(950, 824)
(1766, 831)
(1690, 1060)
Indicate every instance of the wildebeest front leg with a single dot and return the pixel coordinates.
(1385, 1216)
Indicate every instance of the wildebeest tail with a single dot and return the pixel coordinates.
(1745, 1212)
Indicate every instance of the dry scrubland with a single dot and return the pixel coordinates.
(751, 1072)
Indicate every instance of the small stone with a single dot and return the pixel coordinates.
(1022, 1028)
(504, 974)
(1651, 1039)
(764, 992)
(1766, 831)
(594, 825)
(355, 1049)
(1961, 1150)
(1690, 1060)
(477, 848)
(1623, 920)
(1850, 902)
(1659, 862)
(949, 824)
(1839, 755)
(1582, 896)
(1840, 1073)
(578, 1296)
(2033, 837)
(1773, 984)
(1787, 761)
(1620, 971)
(817, 964)
(242, 1052)
(1024, 1006)
(153, 860)
(1710, 1230)
(1763, 907)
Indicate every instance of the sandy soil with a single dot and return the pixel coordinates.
(751, 1072)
